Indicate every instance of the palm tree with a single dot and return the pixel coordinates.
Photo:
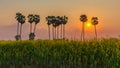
(61, 23)
(48, 19)
(53, 24)
(17, 37)
(83, 18)
(31, 20)
(21, 20)
(58, 22)
(65, 20)
(57, 31)
(36, 20)
(95, 22)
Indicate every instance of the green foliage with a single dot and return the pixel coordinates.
(103, 53)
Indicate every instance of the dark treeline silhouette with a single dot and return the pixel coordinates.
(56, 23)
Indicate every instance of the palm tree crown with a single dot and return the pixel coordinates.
(49, 20)
(65, 19)
(30, 18)
(36, 19)
(94, 20)
(20, 18)
(83, 18)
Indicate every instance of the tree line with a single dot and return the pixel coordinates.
(57, 23)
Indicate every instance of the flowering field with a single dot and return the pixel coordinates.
(104, 53)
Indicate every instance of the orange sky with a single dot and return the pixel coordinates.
(106, 10)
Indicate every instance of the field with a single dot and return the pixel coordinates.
(104, 53)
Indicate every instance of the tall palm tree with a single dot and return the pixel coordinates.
(36, 20)
(95, 22)
(57, 25)
(65, 20)
(31, 20)
(83, 18)
(21, 20)
(17, 37)
(57, 31)
(61, 23)
(53, 25)
(48, 19)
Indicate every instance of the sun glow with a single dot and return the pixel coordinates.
(88, 24)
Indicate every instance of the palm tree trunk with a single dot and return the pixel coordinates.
(95, 31)
(49, 31)
(35, 28)
(17, 28)
(53, 32)
(30, 27)
(61, 31)
(20, 31)
(83, 31)
(58, 32)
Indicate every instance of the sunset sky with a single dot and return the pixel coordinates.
(107, 11)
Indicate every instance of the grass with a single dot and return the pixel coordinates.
(104, 53)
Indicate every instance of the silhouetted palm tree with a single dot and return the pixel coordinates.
(36, 20)
(48, 19)
(22, 22)
(53, 24)
(31, 20)
(58, 23)
(61, 23)
(17, 37)
(83, 18)
(21, 19)
(65, 20)
(95, 22)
